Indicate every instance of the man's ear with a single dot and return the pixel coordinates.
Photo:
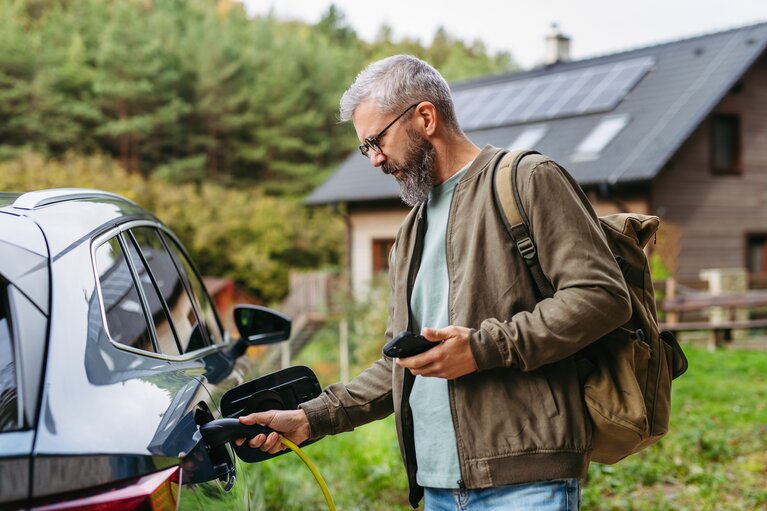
(428, 117)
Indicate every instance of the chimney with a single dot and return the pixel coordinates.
(557, 47)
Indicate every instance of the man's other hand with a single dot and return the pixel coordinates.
(450, 360)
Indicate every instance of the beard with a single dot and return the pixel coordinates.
(415, 175)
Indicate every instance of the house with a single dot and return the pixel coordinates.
(678, 130)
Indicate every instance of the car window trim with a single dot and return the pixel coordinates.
(132, 239)
(181, 247)
(188, 288)
(7, 309)
(140, 292)
(96, 242)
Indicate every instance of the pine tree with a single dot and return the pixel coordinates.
(17, 70)
(137, 79)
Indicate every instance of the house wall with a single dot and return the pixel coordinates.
(634, 203)
(711, 214)
(364, 227)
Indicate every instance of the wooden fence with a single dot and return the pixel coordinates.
(696, 306)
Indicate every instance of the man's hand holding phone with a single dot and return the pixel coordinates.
(407, 344)
(450, 355)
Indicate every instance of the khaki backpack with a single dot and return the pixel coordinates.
(626, 375)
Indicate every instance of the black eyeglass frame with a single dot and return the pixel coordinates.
(372, 142)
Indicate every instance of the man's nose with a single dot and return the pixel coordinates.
(376, 158)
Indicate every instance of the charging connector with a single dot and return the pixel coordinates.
(222, 431)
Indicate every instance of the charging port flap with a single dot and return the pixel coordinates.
(281, 390)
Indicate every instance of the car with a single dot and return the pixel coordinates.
(112, 357)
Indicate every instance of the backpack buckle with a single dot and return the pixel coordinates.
(526, 248)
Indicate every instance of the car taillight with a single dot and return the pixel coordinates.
(152, 492)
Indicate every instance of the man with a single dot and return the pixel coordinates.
(493, 417)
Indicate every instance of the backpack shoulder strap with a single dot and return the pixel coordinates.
(515, 219)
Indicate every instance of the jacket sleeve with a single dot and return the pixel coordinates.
(368, 397)
(590, 296)
(342, 407)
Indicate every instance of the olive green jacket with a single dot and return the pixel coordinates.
(521, 416)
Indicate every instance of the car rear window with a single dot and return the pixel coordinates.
(126, 322)
(9, 419)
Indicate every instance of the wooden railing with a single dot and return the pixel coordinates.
(311, 293)
(310, 303)
(692, 307)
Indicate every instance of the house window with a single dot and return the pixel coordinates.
(725, 144)
(756, 253)
(598, 138)
(529, 137)
(381, 249)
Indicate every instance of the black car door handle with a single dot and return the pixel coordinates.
(221, 431)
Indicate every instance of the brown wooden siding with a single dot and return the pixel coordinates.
(713, 214)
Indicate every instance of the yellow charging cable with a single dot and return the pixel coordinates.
(316, 473)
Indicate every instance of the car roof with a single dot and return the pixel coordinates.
(70, 216)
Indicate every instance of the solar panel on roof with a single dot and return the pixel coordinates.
(539, 108)
(517, 95)
(623, 78)
(581, 91)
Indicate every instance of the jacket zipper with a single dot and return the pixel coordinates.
(461, 488)
(450, 383)
(407, 385)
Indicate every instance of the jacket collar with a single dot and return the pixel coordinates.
(481, 162)
(487, 155)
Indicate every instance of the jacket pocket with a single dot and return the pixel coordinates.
(546, 394)
(508, 412)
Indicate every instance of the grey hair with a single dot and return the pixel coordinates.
(397, 82)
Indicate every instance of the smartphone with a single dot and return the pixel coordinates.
(407, 344)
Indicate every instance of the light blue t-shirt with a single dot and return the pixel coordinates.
(435, 444)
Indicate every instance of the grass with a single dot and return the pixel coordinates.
(714, 457)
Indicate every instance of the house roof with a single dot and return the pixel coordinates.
(615, 118)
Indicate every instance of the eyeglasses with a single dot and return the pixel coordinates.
(372, 142)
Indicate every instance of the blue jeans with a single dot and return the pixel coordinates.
(559, 495)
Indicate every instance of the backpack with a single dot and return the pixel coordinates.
(626, 375)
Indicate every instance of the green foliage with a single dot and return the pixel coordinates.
(17, 71)
(713, 458)
(658, 269)
(192, 90)
(31, 171)
(236, 232)
(138, 74)
(367, 319)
